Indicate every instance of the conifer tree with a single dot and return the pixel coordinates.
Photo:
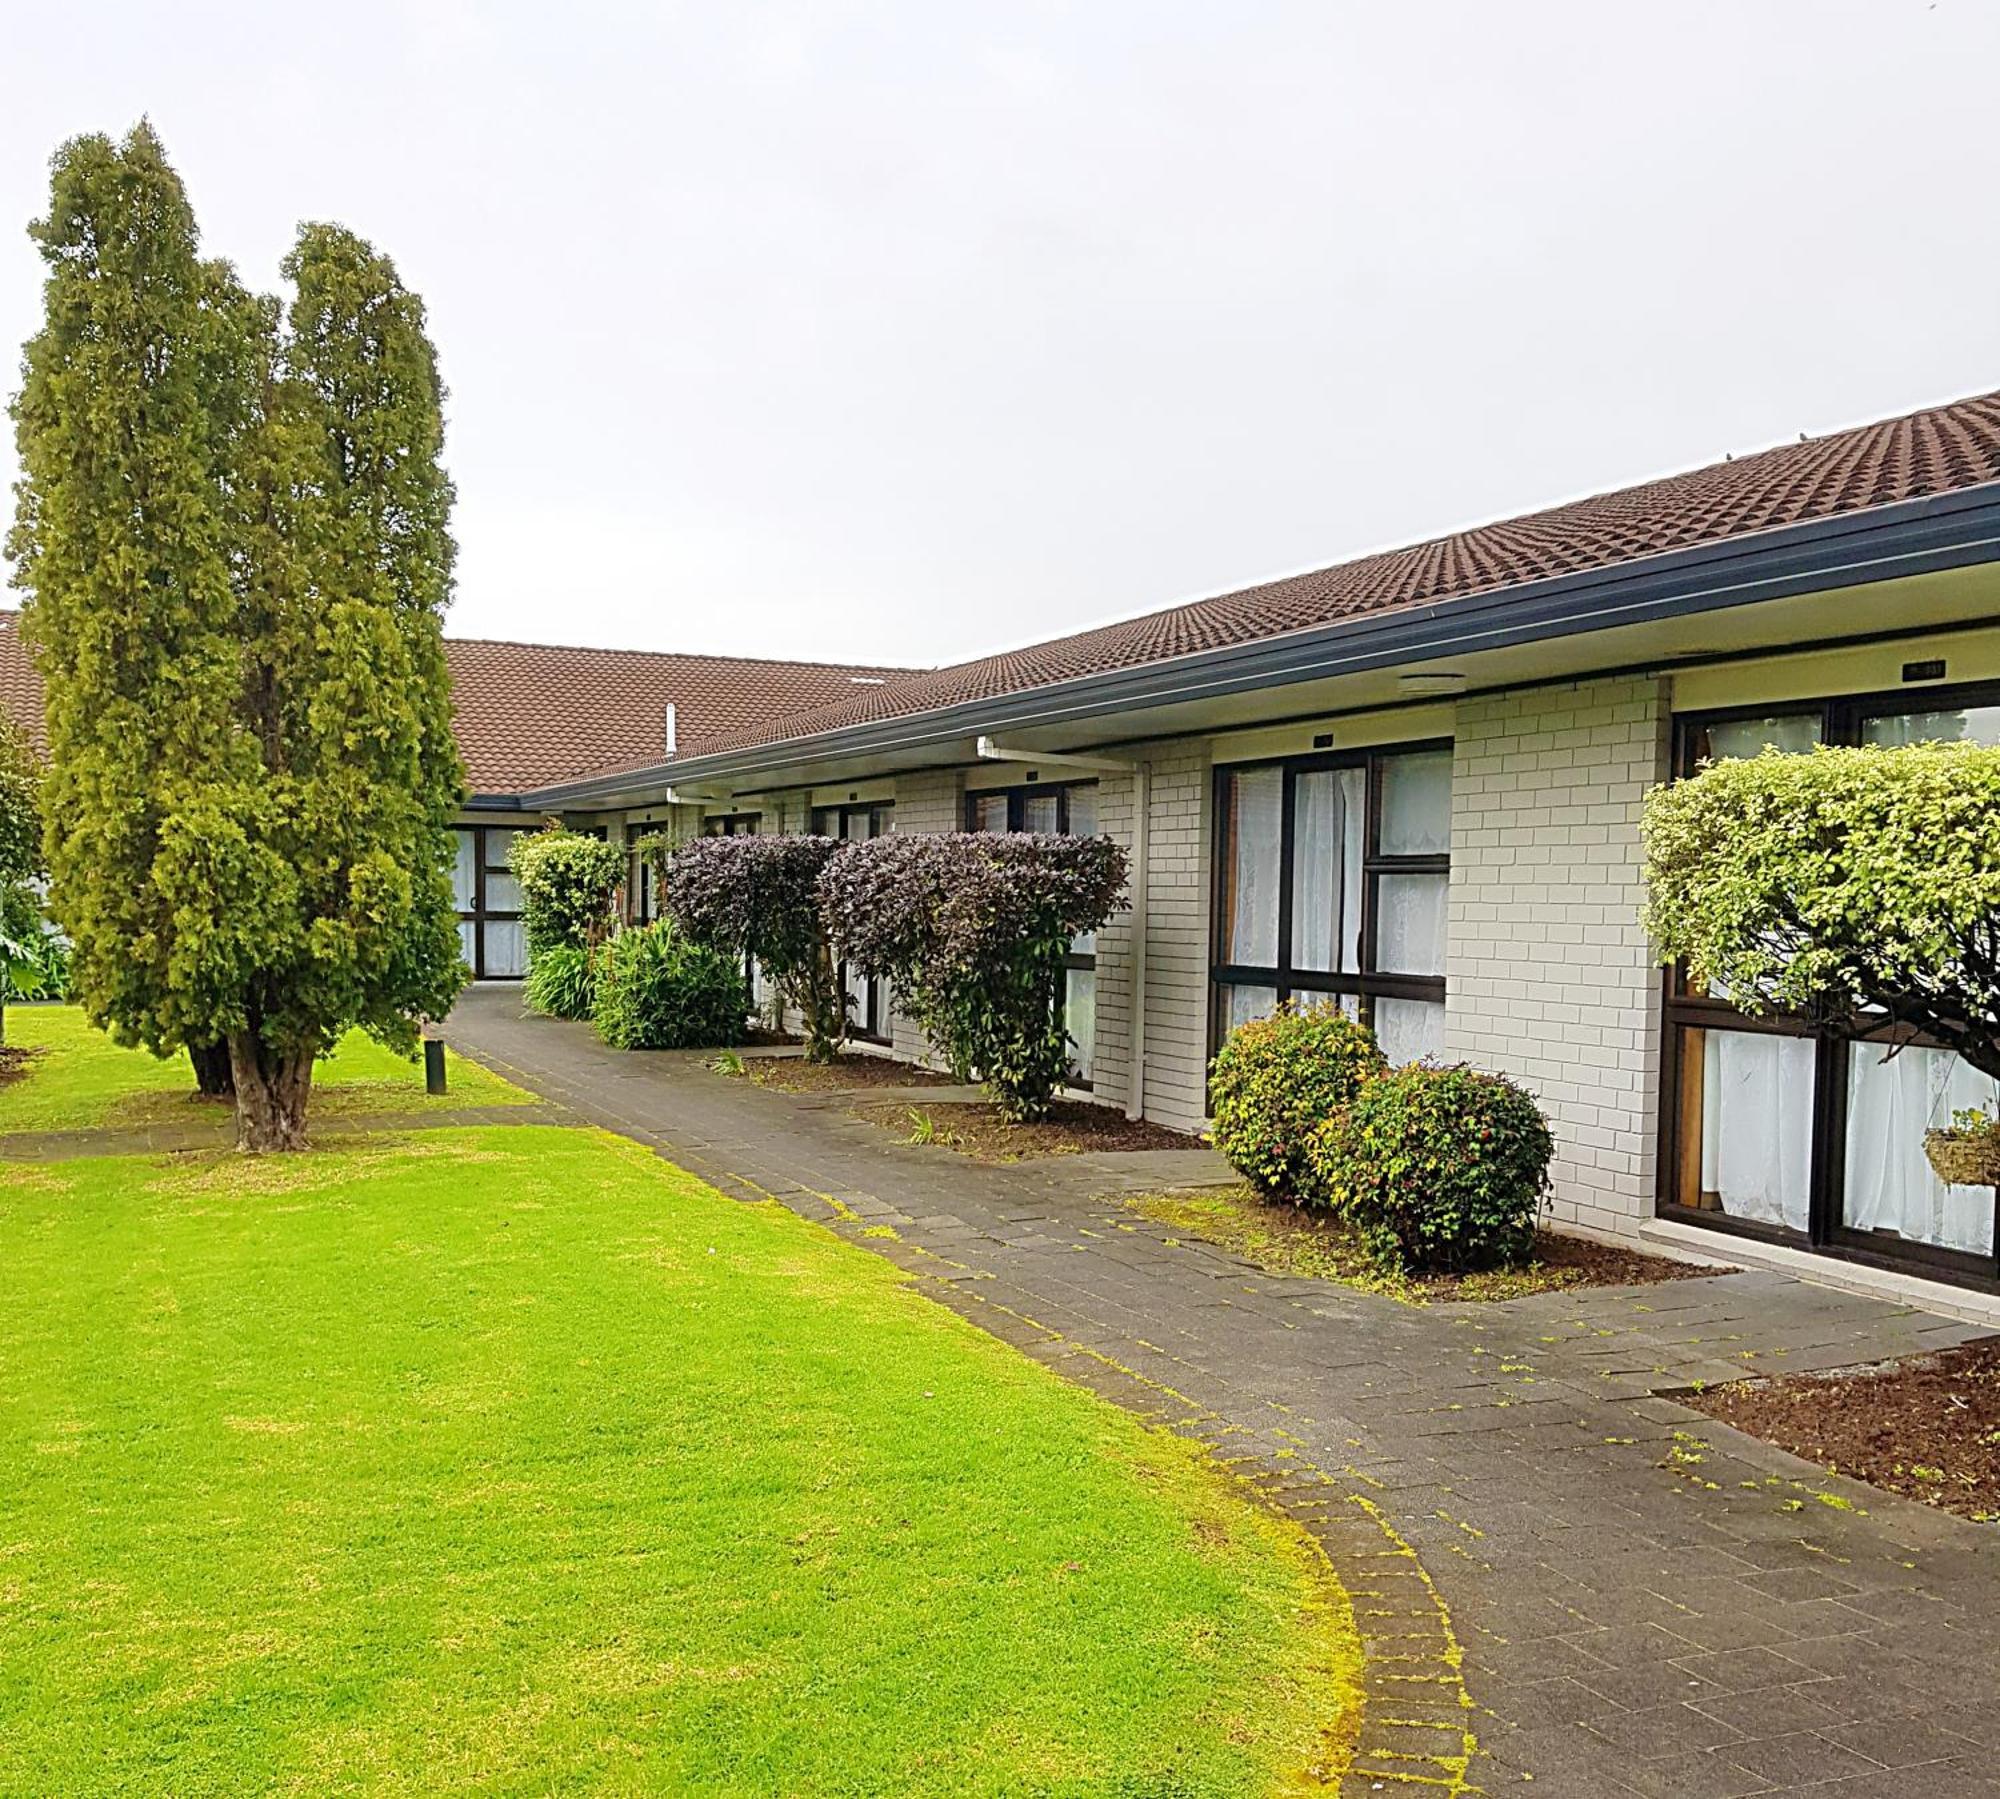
(233, 534)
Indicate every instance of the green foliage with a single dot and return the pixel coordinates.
(567, 880)
(33, 965)
(45, 963)
(975, 930)
(1276, 1081)
(24, 959)
(1438, 1169)
(658, 989)
(20, 806)
(562, 983)
(759, 896)
(1843, 879)
(232, 531)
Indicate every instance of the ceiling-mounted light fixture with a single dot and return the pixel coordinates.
(1432, 681)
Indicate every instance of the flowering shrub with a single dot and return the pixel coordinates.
(1276, 1081)
(567, 880)
(658, 990)
(1438, 1168)
(760, 896)
(1844, 879)
(974, 930)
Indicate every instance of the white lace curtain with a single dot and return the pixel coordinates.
(1756, 1137)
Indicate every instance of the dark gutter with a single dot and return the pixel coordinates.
(1911, 537)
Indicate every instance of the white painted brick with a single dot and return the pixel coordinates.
(1550, 976)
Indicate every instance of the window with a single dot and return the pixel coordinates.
(869, 1001)
(1333, 882)
(489, 903)
(1815, 1136)
(731, 824)
(1065, 809)
(639, 896)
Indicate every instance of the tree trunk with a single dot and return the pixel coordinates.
(822, 1001)
(271, 1095)
(212, 1076)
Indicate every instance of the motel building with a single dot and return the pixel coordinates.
(1409, 785)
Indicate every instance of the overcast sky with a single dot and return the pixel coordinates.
(903, 332)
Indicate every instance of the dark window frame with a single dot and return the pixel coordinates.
(1841, 718)
(1366, 983)
(480, 913)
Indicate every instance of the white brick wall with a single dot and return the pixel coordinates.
(1111, 1069)
(1551, 979)
(1177, 939)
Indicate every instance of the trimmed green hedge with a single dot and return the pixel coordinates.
(567, 880)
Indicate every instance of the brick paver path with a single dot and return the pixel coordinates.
(1612, 1594)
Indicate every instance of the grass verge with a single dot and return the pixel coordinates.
(514, 1459)
(75, 1078)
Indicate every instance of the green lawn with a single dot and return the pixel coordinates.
(514, 1459)
(81, 1079)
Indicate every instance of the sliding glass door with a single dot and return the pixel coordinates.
(488, 899)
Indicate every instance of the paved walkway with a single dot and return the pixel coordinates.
(1612, 1594)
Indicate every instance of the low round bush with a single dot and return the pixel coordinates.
(1276, 1082)
(562, 983)
(1439, 1169)
(656, 989)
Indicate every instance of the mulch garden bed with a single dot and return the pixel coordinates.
(1927, 1428)
(15, 1063)
(1282, 1239)
(792, 1074)
(976, 1129)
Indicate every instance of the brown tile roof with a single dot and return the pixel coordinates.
(531, 715)
(534, 715)
(20, 685)
(1929, 452)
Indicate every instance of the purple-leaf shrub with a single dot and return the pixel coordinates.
(974, 930)
(760, 896)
